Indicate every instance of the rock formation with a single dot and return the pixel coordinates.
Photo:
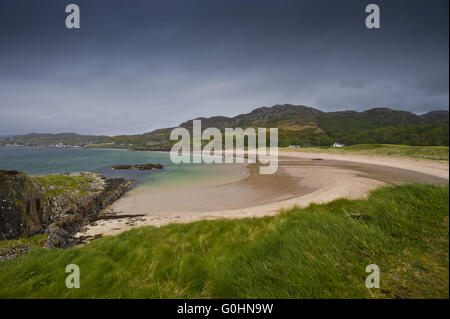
(141, 167)
(29, 206)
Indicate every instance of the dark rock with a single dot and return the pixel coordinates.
(19, 202)
(13, 252)
(139, 166)
(26, 209)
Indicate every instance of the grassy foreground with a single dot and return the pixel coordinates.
(439, 153)
(317, 252)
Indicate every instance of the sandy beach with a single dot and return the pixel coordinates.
(301, 179)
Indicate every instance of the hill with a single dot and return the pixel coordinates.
(306, 126)
(297, 124)
(37, 139)
(439, 117)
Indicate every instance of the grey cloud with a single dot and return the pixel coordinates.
(135, 68)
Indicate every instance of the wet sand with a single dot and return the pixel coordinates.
(301, 179)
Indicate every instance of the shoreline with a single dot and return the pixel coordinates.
(302, 178)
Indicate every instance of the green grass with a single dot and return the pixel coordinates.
(317, 252)
(439, 153)
(61, 183)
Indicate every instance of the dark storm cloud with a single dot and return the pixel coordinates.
(139, 65)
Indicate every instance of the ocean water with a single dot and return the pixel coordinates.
(41, 161)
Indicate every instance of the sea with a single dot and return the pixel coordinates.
(43, 161)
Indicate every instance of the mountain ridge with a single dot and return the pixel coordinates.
(298, 124)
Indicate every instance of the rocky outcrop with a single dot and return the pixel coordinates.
(30, 206)
(14, 252)
(19, 205)
(141, 167)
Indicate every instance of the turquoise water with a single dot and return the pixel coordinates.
(41, 161)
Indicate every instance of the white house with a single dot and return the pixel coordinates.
(338, 144)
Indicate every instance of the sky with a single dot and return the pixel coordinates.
(134, 66)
